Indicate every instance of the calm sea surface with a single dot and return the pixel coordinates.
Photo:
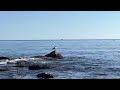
(84, 59)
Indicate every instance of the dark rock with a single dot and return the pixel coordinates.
(42, 57)
(54, 54)
(38, 57)
(19, 66)
(22, 63)
(4, 58)
(36, 67)
(45, 76)
(7, 69)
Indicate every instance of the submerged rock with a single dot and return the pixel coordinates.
(54, 54)
(7, 69)
(4, 58)
(42, 57)
(45, 76)
(41, 66)
(21, 63)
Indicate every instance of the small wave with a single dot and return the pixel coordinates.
(35, 58)
(3, 63)
(25, 59)
(13, 61)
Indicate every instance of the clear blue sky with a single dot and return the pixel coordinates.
(37, 25)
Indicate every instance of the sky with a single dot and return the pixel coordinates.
(40, 25)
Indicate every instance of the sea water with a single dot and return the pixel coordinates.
(83, 59)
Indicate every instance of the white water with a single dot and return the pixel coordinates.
(13, 61)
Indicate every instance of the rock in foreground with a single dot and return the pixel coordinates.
(45, 76)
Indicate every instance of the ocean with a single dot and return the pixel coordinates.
(83, 58)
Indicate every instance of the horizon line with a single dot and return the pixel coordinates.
(52, 39)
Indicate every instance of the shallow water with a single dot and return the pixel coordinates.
(84, 59)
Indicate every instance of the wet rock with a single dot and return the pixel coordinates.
(45, 76)
(22, 63)
(42, 57)
(41, 66)
(54, 54)
(7, 69)
(11, 62)
(38, 57)
(4, 58)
